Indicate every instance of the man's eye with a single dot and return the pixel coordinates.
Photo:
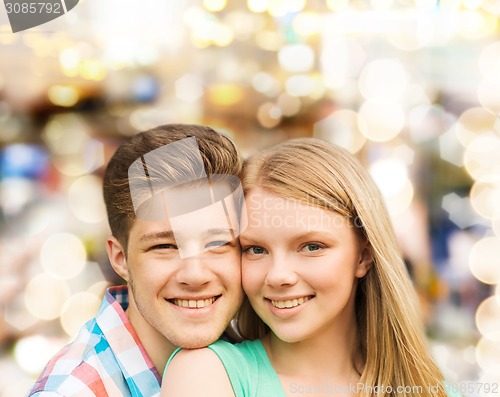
(254, 250)
(218, 243)
(164, 247)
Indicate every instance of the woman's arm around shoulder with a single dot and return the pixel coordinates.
(193, 373)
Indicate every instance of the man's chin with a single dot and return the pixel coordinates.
(198, 342)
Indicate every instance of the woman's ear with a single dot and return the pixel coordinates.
(117, 257)
(365, 259)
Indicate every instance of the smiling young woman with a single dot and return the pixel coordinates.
(330, 307)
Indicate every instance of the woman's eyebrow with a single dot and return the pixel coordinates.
(250, 239)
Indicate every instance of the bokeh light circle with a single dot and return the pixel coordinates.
(401, 200)
(492, 6)
(391, 177)
(300, 85)
(289, 105)
(257, 5)
(481, 158)
(342, 129)
(488, 318)
(45, 296)
(383, 79)
(488, 93)
(307, 23)
(381, 121)
(473, 122)
(296, 58)
(33, 352)
(495, 222)
(85, 199)
(485, 198)
(476, 24)
(214, 5)
(77, 310)
(488, 354)
(63, 255)
(484, 260)
(489, 60)
(337, 5)
(269, 115)
(280, 8)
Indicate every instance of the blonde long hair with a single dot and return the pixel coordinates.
(390, 329)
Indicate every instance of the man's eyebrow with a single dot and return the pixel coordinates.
(219, 231)
(167, 234)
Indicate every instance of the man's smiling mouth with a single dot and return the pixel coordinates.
(194, 303)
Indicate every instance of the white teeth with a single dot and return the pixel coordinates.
(204, 303)
(289, 303)
(193, 304)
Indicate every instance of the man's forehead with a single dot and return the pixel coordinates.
(170, 185)
(216, 216)
(195, 195)
(191, 199)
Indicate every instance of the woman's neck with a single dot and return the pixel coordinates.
(328, 361)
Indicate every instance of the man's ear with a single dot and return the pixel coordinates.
(365, 259)
(117, 257)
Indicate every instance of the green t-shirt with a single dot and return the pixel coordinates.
(248, 368)
(250, 371)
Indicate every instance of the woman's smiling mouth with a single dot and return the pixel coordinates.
(289, 303)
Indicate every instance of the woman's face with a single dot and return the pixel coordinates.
(300, 266)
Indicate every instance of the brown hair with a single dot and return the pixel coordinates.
(218, 153)
(391, 335)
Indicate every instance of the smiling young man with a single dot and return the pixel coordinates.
(173, 197)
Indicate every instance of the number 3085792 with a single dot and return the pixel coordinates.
(34, 8)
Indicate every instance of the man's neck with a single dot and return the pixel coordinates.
(158, 348)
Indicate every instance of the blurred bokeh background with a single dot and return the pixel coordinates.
(412, 87)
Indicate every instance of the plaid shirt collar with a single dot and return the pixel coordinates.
(136, 365)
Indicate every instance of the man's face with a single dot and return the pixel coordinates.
(184, 276)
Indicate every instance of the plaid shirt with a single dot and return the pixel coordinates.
(106, 359)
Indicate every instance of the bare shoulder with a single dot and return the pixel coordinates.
(194, 358)
(196, 372)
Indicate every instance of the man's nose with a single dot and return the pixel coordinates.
(194, 271)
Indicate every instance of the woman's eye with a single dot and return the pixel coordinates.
(312, 247)
(254, 250)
